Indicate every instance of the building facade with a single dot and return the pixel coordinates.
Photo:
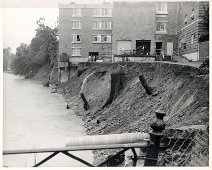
(92, 32)
(190, 28)
(85, 32)
(149, 28)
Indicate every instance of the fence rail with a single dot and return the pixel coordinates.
(185, 146)
(76, 148)
(150, 158)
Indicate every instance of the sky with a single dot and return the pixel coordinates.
(19, 24)
(19, 18)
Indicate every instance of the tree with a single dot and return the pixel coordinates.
(46, 40)
(42, 50)
(6, 53)
(23, 66)
(22, 50)
(8, 57)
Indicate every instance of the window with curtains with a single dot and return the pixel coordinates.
(76, 38)
(102, 24)
(102, 38)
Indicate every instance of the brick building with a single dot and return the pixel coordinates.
(149, 28)
(85, 30)
(152, 28)
(190, 28)
(145, 28)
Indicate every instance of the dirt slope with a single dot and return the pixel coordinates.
(181, 91)
(44, 73)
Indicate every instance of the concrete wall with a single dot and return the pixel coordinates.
(134, 59)
(203, 50)
(192, 56)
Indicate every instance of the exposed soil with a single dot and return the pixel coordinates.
(181, 91)
(44, 73)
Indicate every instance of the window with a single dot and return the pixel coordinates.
(102, 12)
(76, 51)
(161, 8)
(76, 12)
(76, 38)
(161, 26)
(102, 38)
(97, 38)
(97, 12)
(76, 24)
(102, 25)
(108, 24)
(106, 38)
(106, 12)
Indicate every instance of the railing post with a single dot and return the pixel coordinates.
(155, 138)
(59, 75)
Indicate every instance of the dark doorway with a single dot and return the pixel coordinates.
(158, 48)
(143, 47)
(93, 56)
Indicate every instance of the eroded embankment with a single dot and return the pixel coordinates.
(181, 91)
(45, 74)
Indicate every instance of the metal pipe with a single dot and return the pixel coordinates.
(76, 148)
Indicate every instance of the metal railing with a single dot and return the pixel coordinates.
(187, 146)
(150, 158)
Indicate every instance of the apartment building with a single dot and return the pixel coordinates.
(149, 28)
(190, 28)
(85, 32)
(99, 31)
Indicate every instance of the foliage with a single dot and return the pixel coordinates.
(8, 57)
(42, 49)
(22, 50)
(23, 66)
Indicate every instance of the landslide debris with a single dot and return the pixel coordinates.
(181, 91)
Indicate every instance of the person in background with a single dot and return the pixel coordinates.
(162, 54)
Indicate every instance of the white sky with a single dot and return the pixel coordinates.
(19, 18)
(19, 24)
